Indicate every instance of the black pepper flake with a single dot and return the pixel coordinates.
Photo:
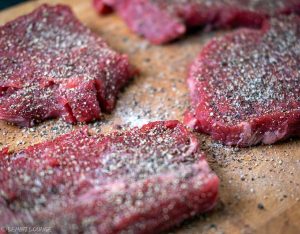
(260, 206)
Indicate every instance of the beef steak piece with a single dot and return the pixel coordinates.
(161, 21)
(53, 66)
(244, 87)
(144, 180)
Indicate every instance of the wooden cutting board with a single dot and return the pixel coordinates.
(260, 186)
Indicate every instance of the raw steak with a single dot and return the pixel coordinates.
(245, 86)
(139, 181)
(161, 21)
(51, 65)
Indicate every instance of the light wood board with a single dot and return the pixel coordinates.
(269, 175)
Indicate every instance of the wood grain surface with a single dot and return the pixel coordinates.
(260, 186)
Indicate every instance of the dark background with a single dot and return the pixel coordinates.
(8, 3)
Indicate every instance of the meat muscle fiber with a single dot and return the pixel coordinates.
(53, 66)
(162, 21)
(244, 87)
(144, 180)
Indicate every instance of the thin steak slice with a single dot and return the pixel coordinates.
(53, 66)
(244, 86)
(139, 181)
(161, 21)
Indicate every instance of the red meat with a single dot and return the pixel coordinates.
(161, 21)
(51, 65)
(139, 181)
(244, 86)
